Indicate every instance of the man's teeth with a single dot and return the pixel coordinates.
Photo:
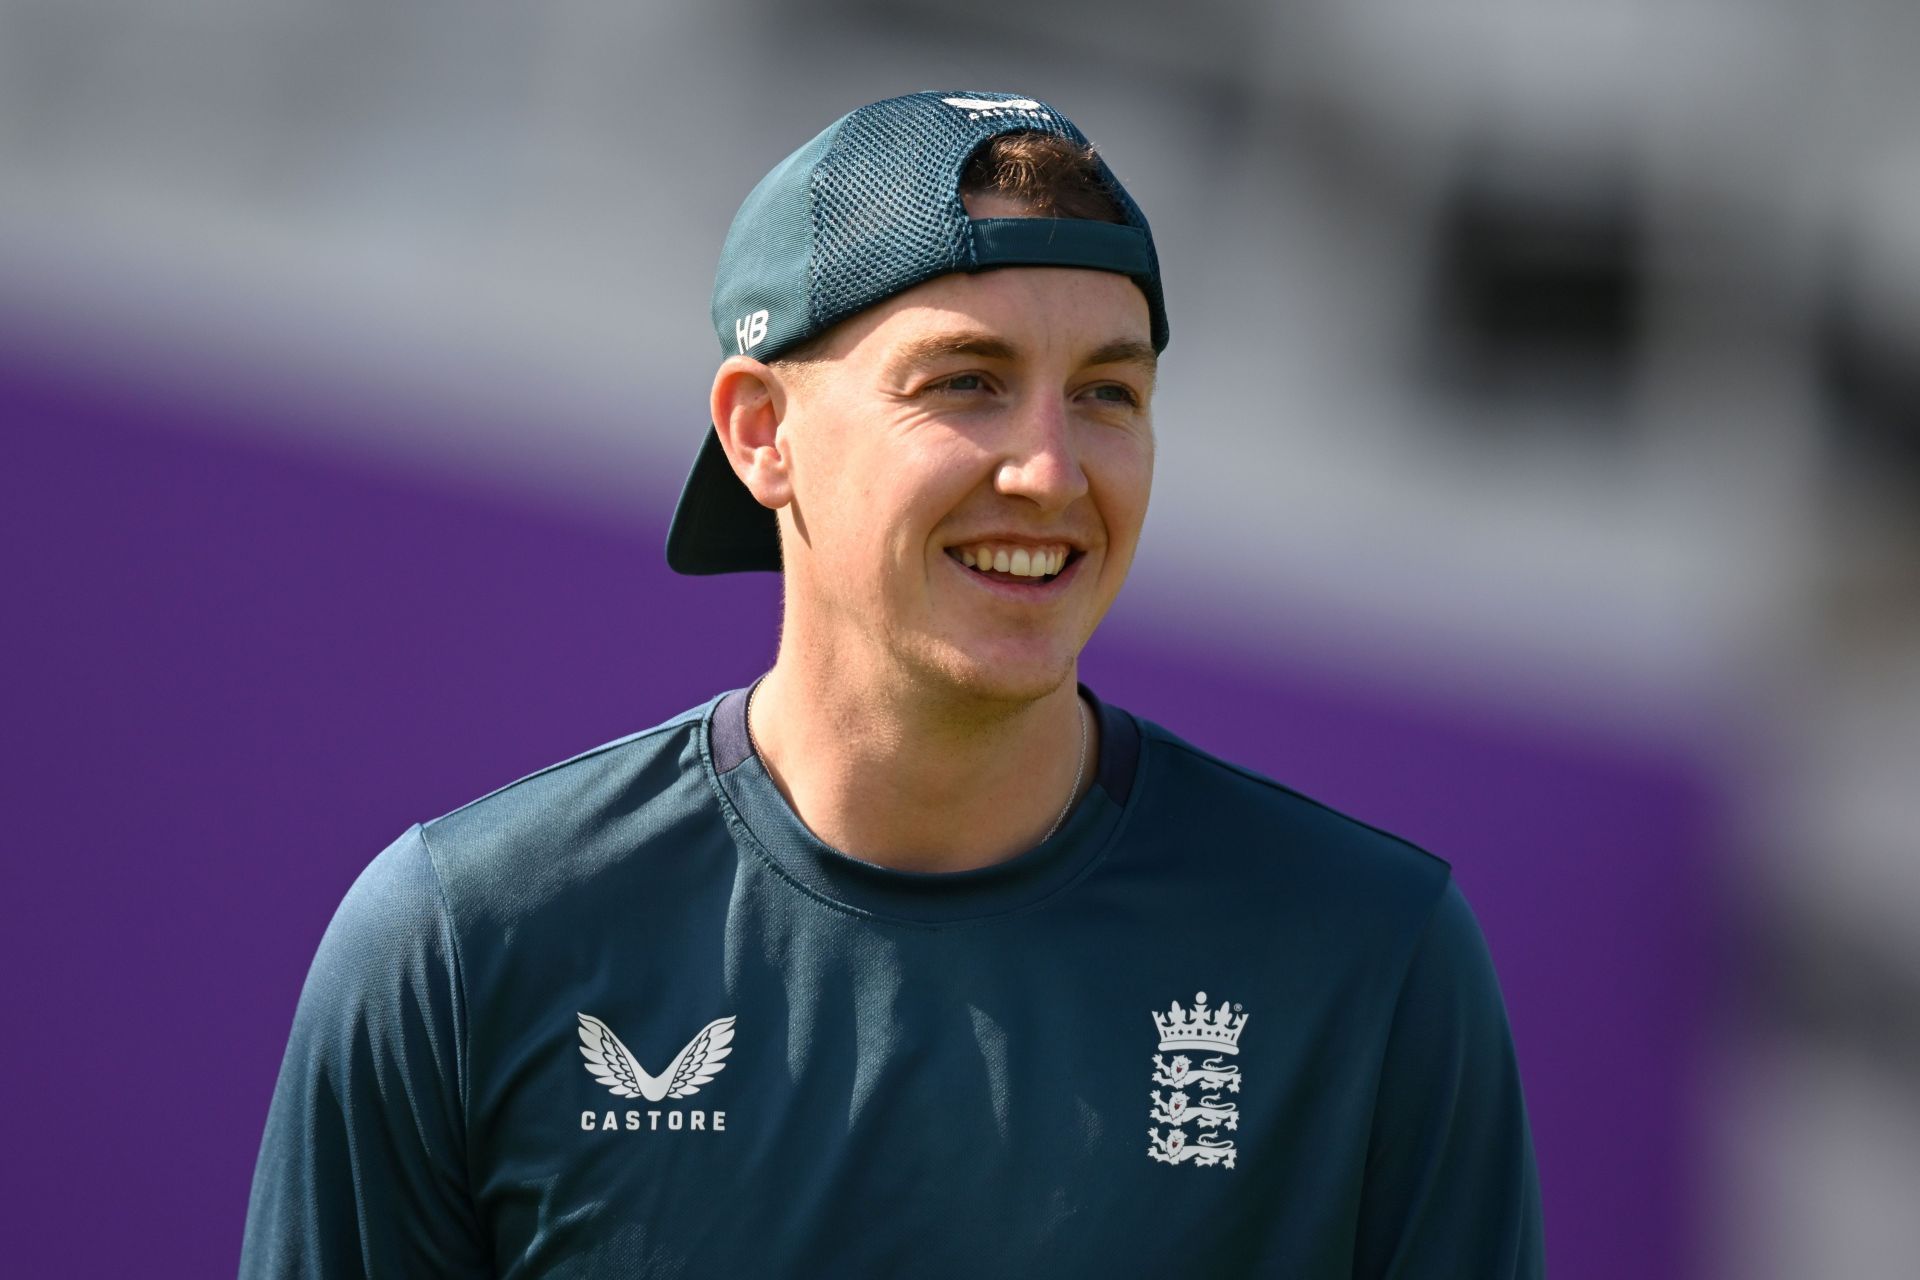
(1021, 562)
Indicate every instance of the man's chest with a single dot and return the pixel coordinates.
(895, 1109)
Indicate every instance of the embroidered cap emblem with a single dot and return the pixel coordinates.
(978, 107)
(613, 1064)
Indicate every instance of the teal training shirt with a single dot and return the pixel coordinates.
(628, 1016)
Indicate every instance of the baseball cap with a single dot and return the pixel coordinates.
(870, 208)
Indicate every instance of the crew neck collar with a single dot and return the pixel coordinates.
(771, 826)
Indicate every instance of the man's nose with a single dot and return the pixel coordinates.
(1042, 459)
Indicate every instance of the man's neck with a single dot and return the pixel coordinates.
(920, 782)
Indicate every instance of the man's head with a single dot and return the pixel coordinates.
(970, 381)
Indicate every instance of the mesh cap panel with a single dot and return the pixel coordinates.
(886, 208)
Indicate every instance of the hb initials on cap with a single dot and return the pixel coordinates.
(749, 330)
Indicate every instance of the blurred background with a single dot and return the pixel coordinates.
(1539, 478)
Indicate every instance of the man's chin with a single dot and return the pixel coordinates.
(1009, 679)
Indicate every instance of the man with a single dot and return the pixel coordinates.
(915, 957)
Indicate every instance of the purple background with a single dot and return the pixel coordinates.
(237, 669)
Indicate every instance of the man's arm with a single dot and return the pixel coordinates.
(1451, 1189)
(363, 1167)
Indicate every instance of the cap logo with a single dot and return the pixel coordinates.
(749, 330)
(977, 107)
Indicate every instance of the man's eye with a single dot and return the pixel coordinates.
(961, 382)
(1118, 394)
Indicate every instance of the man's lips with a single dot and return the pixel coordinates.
(1020, 590)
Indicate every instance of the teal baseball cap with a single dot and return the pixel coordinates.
(870, 208)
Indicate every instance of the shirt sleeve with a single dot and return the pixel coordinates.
(363, 1168)
(1451, 1188)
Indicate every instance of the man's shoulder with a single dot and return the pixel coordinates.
(575, 817)
(1265, 830)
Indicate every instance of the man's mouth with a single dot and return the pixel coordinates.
(1016, 565)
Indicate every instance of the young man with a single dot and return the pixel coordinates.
(914, 957)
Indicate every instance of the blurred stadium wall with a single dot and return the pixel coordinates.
(1538, 476)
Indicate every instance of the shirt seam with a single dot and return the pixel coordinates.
(1393, 1025)
(1251, 775)
(465, 1033)
(691, 715)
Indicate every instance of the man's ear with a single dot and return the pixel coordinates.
(749, 404)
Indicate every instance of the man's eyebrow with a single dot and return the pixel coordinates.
(1127, 351)
(921, 351)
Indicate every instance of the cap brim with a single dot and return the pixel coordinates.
(718, 526)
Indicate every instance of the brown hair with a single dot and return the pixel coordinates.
(1047, 175)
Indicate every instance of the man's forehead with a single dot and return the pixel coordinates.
(1092, 317)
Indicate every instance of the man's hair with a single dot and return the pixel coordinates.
(1046, 175)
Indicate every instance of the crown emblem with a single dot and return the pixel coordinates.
(1207, 1031)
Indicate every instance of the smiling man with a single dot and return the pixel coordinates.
(914, 956)
(959, 474)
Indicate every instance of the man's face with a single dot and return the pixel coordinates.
(1002, 412)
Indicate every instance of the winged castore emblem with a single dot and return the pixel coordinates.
(613, 1064)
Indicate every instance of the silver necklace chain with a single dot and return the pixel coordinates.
(1079, 768)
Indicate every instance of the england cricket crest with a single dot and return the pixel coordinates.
(1195, 1092)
